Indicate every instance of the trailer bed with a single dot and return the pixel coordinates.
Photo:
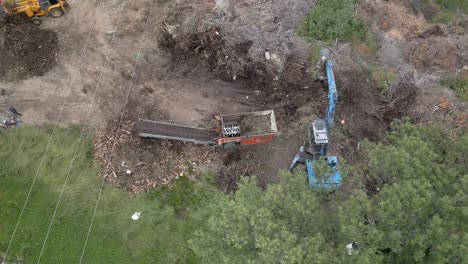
(162, 130)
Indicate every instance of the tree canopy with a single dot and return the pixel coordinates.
(414, 212)
(282, 224)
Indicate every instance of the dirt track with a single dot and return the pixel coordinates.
(160, 89)
(84, 44)
(187, 84)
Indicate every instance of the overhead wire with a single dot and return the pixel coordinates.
(118, 127)
(72, 79)
(77, 144)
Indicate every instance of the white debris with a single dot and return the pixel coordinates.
(136, 216)
(267, 55)
(247, 97)
(350, 247)
(128, 172)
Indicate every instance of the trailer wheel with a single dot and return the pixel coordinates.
(56, 12)
(36, 21)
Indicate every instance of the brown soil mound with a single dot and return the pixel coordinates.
(359, 106)
(25, 50)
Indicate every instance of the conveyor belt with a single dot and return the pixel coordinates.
(161, 130)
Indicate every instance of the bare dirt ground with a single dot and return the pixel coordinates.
(190, 70)
(162, 88)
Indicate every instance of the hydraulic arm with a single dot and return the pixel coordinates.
(319, 138)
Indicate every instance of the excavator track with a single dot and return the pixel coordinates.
(162, 130)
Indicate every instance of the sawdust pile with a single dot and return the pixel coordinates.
(256, 125)
(26, 50)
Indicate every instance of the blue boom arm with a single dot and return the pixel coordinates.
(332, 97)
(307, 155)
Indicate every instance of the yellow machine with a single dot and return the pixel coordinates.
(35, 8)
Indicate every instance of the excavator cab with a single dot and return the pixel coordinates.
(316, 149)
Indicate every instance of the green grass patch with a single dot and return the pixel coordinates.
(443, 17)
(447, 10)
(159, 236)
(333, 19)
(384, 77)
(458, 84)
(315, 52)
(454, 5)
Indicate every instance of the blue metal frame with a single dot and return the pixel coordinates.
(331, 180)
(332, 97)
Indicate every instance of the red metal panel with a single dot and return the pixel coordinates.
(253, 140)
(257, 140)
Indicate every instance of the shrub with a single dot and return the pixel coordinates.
(458, 84)
(384, 77)
(333, 19)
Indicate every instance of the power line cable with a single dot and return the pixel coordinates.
(72, 79)
(120, 123)
(77, 144)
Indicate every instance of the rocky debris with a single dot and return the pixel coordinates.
(11, 119)
(433, 31)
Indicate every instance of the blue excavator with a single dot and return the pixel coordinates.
(319, 137)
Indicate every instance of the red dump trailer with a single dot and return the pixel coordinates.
(249, 128)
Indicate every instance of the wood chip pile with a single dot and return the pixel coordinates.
(138, 165)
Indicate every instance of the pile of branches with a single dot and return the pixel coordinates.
(269, 24)
(401, 97)
(252, 39)
(236, 164)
